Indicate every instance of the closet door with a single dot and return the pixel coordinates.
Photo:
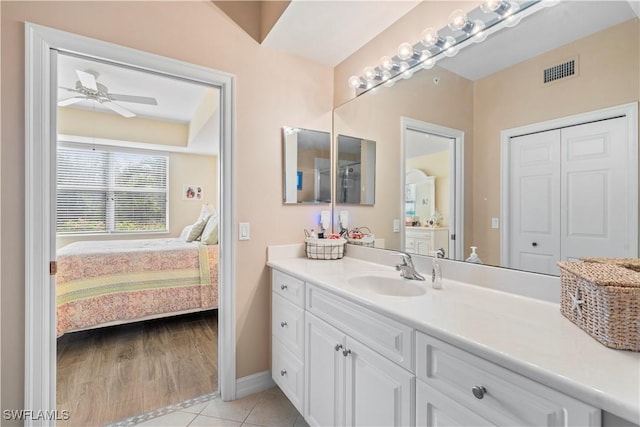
(594, 189)
(535, 202)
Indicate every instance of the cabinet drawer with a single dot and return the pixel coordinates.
(288, 372)
(386, 336)
(434, 409)
(287, 324)
(508, 398)
(288, 287)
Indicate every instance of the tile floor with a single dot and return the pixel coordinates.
(268, 408)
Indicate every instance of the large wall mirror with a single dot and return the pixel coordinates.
(307, 165)
(568, 191)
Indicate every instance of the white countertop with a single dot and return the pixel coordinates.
(526, 335)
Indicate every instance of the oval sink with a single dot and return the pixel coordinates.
(392, 286)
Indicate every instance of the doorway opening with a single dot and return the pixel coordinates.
(432, 189)
(42, 48)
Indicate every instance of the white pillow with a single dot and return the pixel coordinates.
(185, 232)
(206, 211)
(210, 233)
(196, 229)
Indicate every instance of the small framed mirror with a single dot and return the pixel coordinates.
(355, 171)
(307, 166)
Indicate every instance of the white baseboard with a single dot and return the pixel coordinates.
(253, 383)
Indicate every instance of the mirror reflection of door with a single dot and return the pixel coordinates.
(429, 192)
(568, 192)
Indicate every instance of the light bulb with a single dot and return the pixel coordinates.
(369, 73)
(390, 82)
(430, 37)
(429, 63)
(449, 47)
(386, 76)
(354, 82)
(496, 6)
(458, 20)
(512, 20)
(387, 63)
(405, 51)
(480, 37)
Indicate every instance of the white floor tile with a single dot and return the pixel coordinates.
(172, 419)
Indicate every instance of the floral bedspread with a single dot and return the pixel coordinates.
(119, 281)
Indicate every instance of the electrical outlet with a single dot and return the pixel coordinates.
(495, 223)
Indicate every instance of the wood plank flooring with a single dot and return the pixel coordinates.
(107, 374)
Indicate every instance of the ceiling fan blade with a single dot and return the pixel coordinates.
(70, 101)
(135, 99)
(69, 89)
(118, 109)
(87, 80)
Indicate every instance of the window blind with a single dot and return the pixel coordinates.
(108, 191)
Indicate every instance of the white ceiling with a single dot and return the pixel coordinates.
(328, 32)
(177, 99)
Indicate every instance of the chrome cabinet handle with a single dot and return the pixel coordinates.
(338, 347)
(479, 391)
(345, 353)
(283, 373)
(283, 287)
(283, 324)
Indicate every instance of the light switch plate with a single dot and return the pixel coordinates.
(396, 225)
(495, 223)
(244, 231)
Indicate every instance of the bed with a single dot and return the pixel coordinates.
(102, 283)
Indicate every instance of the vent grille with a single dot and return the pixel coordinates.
(560, 71)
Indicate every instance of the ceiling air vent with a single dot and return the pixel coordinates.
(560, 71)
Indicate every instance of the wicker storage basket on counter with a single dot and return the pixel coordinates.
(603, 299)
(630, 263)
(324, 248)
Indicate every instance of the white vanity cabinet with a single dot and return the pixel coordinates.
(287, 329)
(426, 240)
(455, 387)
(348, 384)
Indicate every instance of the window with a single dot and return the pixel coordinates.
(108, 190)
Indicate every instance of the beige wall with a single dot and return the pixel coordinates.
(73, 121)
(273, 89)
(437, 165)
(183, 169)
(608, 76)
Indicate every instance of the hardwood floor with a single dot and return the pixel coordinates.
(107, 374)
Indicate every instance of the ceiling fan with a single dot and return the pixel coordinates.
(87, 87)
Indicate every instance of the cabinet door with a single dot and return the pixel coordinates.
(324, 367)
(424, 247)
(378, 392)
(434, 409)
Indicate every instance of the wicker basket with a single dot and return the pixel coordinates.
(603, 299)
(630, 263)
(324, 248)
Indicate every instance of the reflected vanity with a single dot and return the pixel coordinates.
(489, 104)
(307, 166)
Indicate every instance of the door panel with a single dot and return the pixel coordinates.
(594, 190)
(324, 366)
(535, 202)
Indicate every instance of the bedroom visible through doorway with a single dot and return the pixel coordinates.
(137, 228)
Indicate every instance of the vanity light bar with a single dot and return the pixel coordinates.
(462, 30)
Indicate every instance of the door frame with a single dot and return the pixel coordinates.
(629, 111)
(40, 185)
(456, 203)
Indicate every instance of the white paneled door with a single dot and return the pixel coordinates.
(569, 195)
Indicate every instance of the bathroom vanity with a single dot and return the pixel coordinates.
(355, 345)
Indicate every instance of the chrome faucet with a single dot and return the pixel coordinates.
(440, 253)
(407, 269)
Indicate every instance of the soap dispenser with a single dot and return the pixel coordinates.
(436, 272)
(473, 258)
